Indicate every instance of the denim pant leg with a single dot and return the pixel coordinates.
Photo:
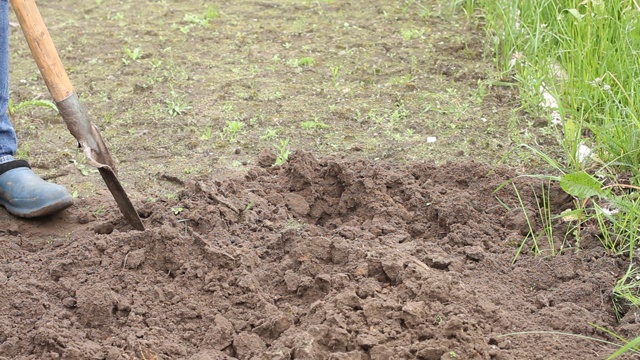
(8, 140)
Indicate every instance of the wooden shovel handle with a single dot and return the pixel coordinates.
(42, 48)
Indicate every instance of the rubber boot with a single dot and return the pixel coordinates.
(26, 195)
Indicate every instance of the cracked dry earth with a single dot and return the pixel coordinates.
(318, 259)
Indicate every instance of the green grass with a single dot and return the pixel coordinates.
(577, 64)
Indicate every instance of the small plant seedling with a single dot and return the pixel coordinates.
(177, 210)
(300, 24)
(283, 152)
(206, 134)
(335, 73)
(83, 168)
(313, 125)
(196, 19)
(231, 131)
(305, 61)
(212, 12)
(269, 134)
(12, 109)
(101, 210)
(134, 54)
(177, 107)
(410, 34)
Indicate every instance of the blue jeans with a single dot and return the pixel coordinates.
(8, 140)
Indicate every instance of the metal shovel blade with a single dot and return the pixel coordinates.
(97, 154)
(73, 114)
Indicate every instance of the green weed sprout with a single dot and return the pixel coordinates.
(134, 55)
(12, 109)
(231, 131)
(314, 124)
(177, 107)
(283, 152)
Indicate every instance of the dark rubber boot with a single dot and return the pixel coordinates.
(25, 194)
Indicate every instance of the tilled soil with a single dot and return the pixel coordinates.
(317, 259)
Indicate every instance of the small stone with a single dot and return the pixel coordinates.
(475, 253)
(69, 302)
(134, 259)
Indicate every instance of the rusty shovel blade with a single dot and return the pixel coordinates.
(97, 154)
(73, 114)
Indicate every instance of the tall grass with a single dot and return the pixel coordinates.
(578, 63)
(585, 56)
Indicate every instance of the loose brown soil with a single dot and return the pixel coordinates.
(369, 243)
(318, 259)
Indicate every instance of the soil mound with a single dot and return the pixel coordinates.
(317, 259)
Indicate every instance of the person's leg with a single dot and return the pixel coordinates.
(8, 141)
(22, 192)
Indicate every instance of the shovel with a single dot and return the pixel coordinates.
(73, 114)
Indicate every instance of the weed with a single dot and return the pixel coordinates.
(283, 152)
(12, 109)
(202, 20)
(177, 107)
(400, 80)
(177, 210)
(100, 211)
(335, 73)
(269, 134)
(313, 125)
(626, 292)
(196, 19)
(23, 151)
(410, 34)
(231, 130)
(305, 61)
(83, 168)
(207, 134)
(300, 25)
(211, 12)
(134, 54)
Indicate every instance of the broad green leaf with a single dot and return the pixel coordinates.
(581, 185)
